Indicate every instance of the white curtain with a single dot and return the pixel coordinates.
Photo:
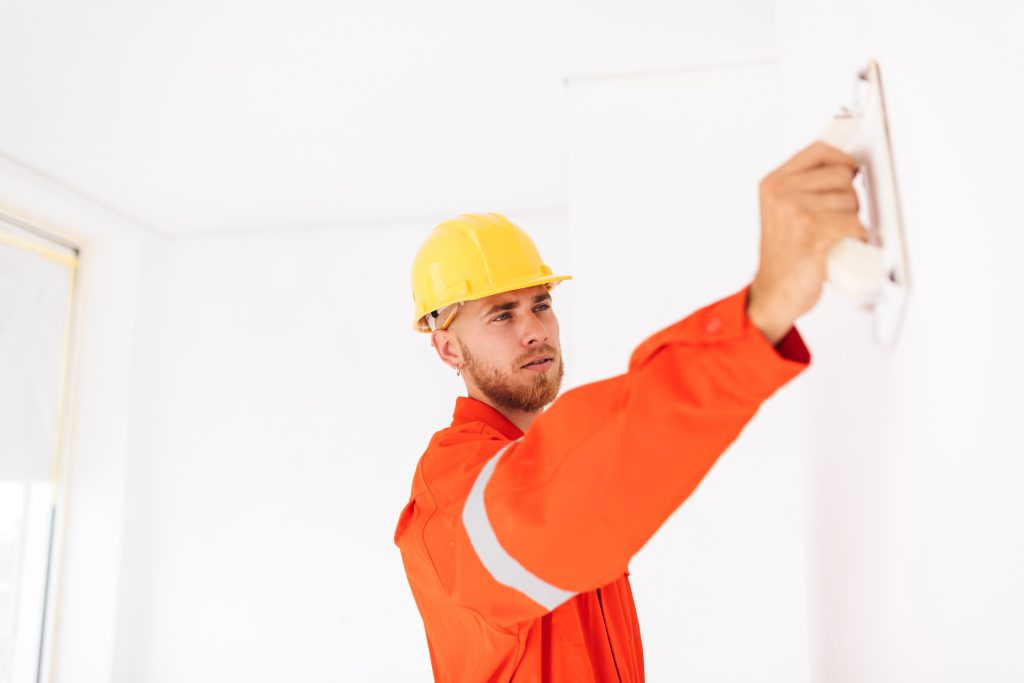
(36, 277)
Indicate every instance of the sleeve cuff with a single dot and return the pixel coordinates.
(792, 347)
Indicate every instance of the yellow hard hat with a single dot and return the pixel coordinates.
(471, 257)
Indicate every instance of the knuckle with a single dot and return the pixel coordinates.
(857, 229)
(843, 201)
(842, 174)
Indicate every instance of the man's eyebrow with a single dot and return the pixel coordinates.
(514, 304)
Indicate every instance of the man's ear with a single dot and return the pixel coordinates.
(447, 348)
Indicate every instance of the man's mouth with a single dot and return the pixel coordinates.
(540, 363)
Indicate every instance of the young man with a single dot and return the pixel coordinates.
(522, 521)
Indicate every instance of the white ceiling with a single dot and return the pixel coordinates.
(214, 115)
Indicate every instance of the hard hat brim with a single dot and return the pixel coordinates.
(420, 324)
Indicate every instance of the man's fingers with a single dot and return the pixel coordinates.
(847, 226)
(844, 201)
(824, 178)
(817, 154)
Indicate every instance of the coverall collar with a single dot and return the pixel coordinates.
(471, 410)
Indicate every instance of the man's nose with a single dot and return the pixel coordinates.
(535, 330)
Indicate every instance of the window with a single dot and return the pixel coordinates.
(37, 277)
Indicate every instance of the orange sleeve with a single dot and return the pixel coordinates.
(598, 472)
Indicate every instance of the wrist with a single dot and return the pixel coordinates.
(772, 327)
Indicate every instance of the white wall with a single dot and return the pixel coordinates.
(916, 470)
(664, 220)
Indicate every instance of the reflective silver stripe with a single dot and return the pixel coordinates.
(505, 569)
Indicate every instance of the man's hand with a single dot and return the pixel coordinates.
(807, 205)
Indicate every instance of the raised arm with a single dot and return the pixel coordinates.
(564, 508)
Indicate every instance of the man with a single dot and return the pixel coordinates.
(522, 521)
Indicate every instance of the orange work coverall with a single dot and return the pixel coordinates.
(516, 545)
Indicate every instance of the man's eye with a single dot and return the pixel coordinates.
(542, 307)
(500, 317)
